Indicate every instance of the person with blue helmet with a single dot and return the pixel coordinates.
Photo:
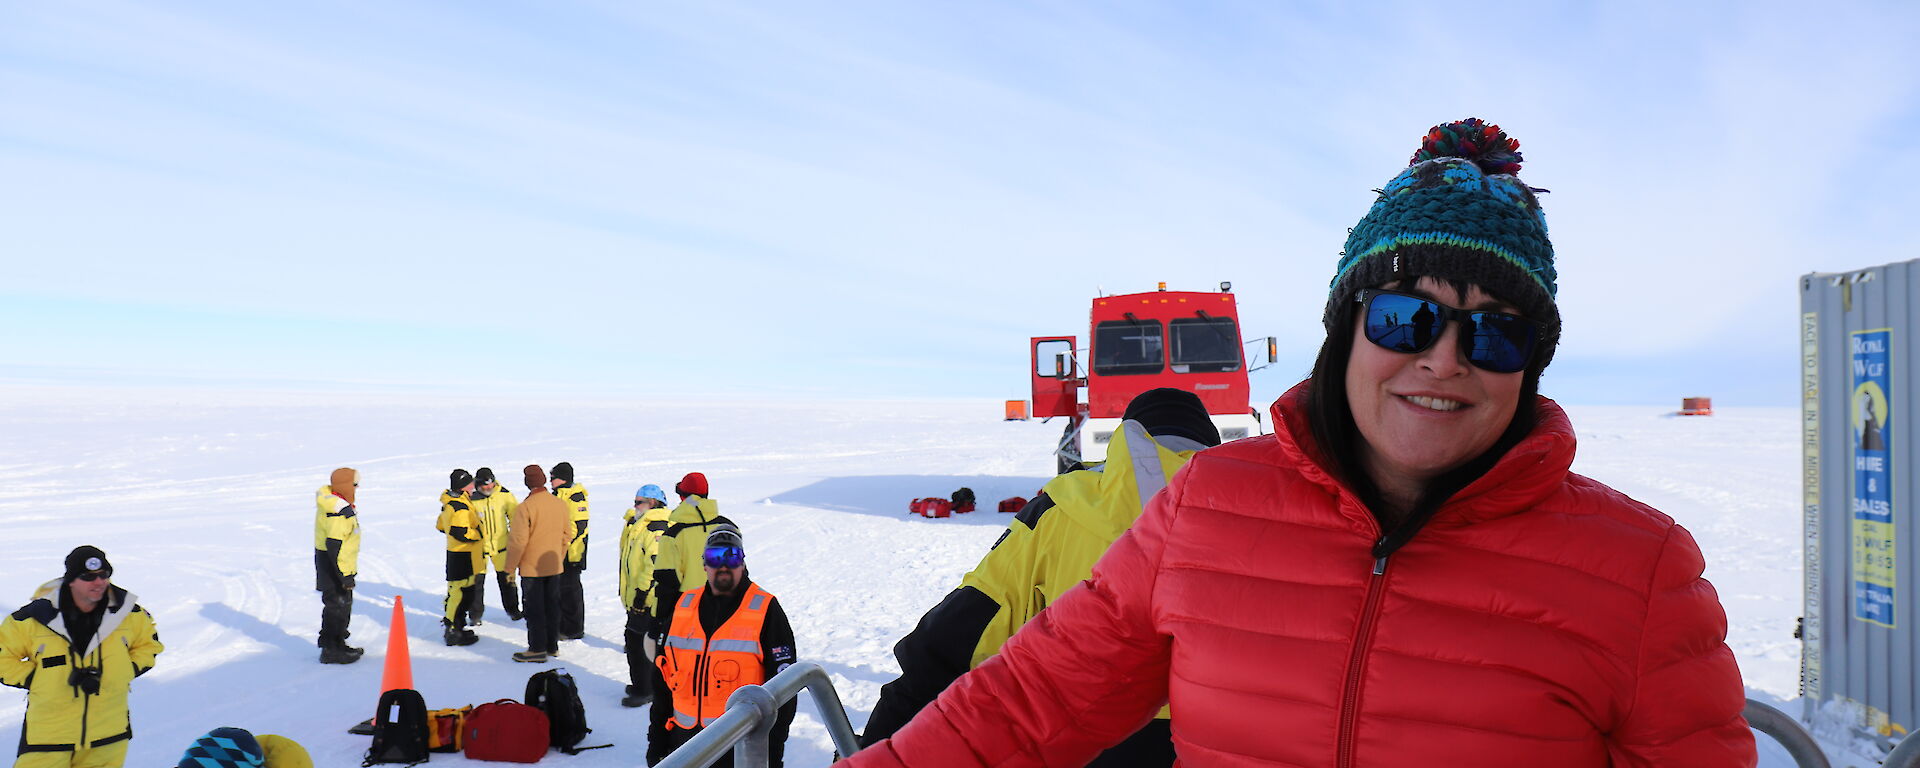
(639, 543)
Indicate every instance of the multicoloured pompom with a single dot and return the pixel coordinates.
(1472, 139)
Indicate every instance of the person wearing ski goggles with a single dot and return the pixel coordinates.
(1406, 572)
(725, 634)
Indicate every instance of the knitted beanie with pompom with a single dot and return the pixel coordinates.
(1457, 212)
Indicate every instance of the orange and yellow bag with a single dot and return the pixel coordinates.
(446, 729)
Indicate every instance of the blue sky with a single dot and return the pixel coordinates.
(886, 199)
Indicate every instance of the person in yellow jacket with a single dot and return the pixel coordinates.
(639, 540)
(336, 558)
(494, 505)
(573, 599)
(76, 648)
(727, 633)
(464, 558)
(1051, 546)
(677, 565)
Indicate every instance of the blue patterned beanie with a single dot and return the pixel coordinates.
(1457, 212)
(224, 748)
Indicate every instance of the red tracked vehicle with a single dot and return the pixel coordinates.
(1180, 339)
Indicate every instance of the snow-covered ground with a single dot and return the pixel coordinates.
(204, 503)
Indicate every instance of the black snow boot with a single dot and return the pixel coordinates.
(454, 635)
(340, 654)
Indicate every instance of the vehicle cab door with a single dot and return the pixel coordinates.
(1056, 375)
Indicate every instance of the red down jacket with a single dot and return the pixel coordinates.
(1540, 619)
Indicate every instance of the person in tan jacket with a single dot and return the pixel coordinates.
(537, 551)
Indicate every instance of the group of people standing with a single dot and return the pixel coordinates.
(536, 548)
(697, 627)
(478, 518)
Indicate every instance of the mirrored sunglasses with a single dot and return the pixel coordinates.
(725, 557)
(1493, 341)
(94, 576)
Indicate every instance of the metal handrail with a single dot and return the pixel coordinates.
(1906, 754)
(1786, 730)
(747, 724)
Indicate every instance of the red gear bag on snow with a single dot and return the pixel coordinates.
(1013, 504)
(507, 731)
(931, 506)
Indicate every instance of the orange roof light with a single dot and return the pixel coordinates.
(1163, 285)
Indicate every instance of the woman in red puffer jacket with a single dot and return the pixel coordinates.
(1406, 573)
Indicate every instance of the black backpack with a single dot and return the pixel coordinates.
(400, 730)
(554, 693)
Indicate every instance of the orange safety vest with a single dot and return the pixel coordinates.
(703, 671)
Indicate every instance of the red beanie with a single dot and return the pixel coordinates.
(694, 484)
(535, 477)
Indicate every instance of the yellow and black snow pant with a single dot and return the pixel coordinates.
(466, 587)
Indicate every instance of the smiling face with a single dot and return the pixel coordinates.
(87, 594)
(1425, 413)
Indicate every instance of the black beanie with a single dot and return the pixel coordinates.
(1169, 411)
(484, 476)
(458, 479)
(725, 535)
(83, 559)
(563, 472)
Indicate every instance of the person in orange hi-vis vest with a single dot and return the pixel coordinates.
(726, 634)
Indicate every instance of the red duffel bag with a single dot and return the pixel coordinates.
(1013, 505)
(507, 731)
(931, 506)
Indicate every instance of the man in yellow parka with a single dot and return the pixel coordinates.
(639, 540)
(494, 505)
(76, 649)
(573, 599)
(336, 558)
(1050, 547)
(678, 566)
(464, 558)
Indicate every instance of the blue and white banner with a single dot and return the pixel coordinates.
(1873, 527)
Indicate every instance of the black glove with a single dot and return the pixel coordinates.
(86, 679)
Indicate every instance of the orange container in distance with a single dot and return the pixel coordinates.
(1696, 406)
(1016, 410)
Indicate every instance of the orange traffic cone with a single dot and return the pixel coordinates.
(399, 671)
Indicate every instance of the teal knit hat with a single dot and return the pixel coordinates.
(1457, 212)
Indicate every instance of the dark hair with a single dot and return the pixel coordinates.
(1338, 438)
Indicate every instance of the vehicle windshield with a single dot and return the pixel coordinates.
(1126, 347)
(1205, 345)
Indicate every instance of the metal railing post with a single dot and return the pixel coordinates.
(754, 751)
(1906, 754)
(1805, 751)
(747, 724)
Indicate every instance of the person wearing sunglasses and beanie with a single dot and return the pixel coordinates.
(726, 633)
(76, 648)
(1406, 572)
(1050, 546)
(336, 561)
(537, 554)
